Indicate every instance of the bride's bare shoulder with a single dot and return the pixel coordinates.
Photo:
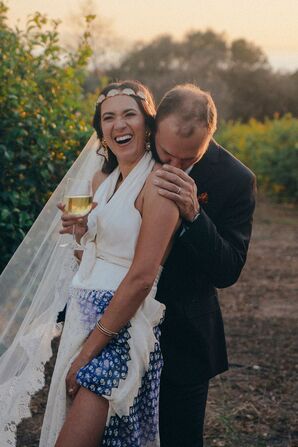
(98, 178)
(149, 184)
(150, 179)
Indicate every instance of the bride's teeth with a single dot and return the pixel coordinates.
(123, 138)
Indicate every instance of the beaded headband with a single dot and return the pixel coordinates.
(117, 91)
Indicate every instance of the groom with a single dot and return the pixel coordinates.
(215, 195)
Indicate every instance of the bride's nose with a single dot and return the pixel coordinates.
(119, 123)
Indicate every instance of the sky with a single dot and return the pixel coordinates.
(270, 24)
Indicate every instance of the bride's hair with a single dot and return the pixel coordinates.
(146, 105)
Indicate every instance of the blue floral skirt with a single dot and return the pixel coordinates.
(126, 372)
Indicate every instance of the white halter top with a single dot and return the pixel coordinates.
(113, 229)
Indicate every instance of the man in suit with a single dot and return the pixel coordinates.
(216, 203)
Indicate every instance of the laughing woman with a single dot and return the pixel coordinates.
(109, 362)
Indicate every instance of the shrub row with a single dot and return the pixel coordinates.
(268, 148)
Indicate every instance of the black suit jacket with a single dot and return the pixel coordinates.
(209, 255)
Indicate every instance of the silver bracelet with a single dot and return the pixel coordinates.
(104, 330)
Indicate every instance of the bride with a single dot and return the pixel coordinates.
(105, 385)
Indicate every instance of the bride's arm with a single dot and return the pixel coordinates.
(159, 221)
(160, 217)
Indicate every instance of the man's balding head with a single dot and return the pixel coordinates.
(185, 122)
(192, 107)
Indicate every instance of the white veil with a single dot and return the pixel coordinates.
(33, 289)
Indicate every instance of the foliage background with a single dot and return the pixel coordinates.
(270, 149)
(47, 95)
(42, 122)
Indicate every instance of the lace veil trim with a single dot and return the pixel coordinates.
(34, 288)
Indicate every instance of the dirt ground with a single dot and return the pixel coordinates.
(254, 403)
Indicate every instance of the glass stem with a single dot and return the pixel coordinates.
(74, 235)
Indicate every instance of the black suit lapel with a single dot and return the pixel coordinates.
(203, 173)
(202, 170)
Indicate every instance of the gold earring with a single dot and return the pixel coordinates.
(147, 140)
(105, 149)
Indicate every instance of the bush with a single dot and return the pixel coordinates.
(42, 125)
(270, 149)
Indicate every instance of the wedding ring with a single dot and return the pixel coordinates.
(178, 190)
(70, 390)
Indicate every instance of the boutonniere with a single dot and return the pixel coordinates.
(203, 197)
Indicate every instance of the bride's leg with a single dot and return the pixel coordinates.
(85, 422)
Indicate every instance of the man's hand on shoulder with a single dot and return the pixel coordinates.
(176, 185)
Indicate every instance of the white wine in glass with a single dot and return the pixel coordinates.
(78, 202)
(78, 205)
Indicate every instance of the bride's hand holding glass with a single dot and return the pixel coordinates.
(77, 204)
(71, 224)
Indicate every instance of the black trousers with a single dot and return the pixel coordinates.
(181, 414)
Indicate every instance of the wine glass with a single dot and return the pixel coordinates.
(78, 203)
